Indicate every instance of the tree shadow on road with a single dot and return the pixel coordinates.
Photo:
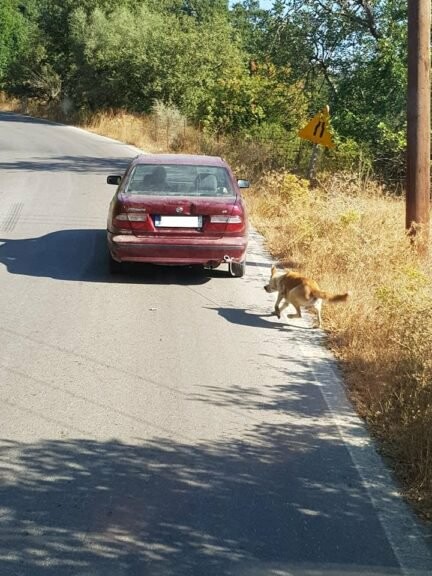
(76, 164)
(23, 118)
(278, 504)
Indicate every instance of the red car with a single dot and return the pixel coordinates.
(178, 209)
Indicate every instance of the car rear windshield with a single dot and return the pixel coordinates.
(179, 180)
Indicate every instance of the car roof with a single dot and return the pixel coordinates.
(185, 159)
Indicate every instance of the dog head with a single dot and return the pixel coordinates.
(272, 286)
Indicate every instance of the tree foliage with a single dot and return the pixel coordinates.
(13, 35)
(239, 69)
(350, 54)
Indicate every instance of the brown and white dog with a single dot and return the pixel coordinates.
(299, 291)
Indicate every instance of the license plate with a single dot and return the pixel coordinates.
(178, 221)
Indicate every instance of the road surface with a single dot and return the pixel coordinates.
(163, 423)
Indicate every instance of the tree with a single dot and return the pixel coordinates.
(126, 58)
(350, 54)
(13, 35)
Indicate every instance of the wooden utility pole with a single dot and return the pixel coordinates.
(418, 113)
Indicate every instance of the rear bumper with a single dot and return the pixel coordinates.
(125, 248)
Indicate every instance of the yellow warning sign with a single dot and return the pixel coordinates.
(317, 129)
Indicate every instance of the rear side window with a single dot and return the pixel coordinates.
(179, 180)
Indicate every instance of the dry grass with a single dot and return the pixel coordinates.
(348, 234)
(8, 104)
(129, 128)
(150, 133)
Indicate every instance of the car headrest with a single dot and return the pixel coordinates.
(207, 182)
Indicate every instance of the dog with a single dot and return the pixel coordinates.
(299, 291)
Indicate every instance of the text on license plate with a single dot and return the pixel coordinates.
(178, 221)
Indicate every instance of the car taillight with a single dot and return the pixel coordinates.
(136, 217)
(140, 222)
(226, 219)
(121, 223)
(126, 221)
(233, 223)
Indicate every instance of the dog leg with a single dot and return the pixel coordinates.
(298, 310)
(297, 314)
(282, 308)
(277, 310)
(318, 311)
(296, 299)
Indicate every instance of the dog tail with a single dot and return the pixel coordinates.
(331, 297)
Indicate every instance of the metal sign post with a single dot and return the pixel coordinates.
(312, 162)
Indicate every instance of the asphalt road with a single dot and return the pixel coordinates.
(163, 423)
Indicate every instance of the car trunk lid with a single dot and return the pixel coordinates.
(178, 216)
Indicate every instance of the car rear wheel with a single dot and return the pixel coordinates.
(238, 269)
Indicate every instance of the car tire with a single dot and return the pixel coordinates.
(114, 266)
(238, 269)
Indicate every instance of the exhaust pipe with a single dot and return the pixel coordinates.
(229, 260)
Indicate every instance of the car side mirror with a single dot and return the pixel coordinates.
(243, 183)
(114, 179)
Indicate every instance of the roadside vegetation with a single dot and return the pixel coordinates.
(243, 93)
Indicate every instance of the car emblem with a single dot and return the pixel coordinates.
(179, 209)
